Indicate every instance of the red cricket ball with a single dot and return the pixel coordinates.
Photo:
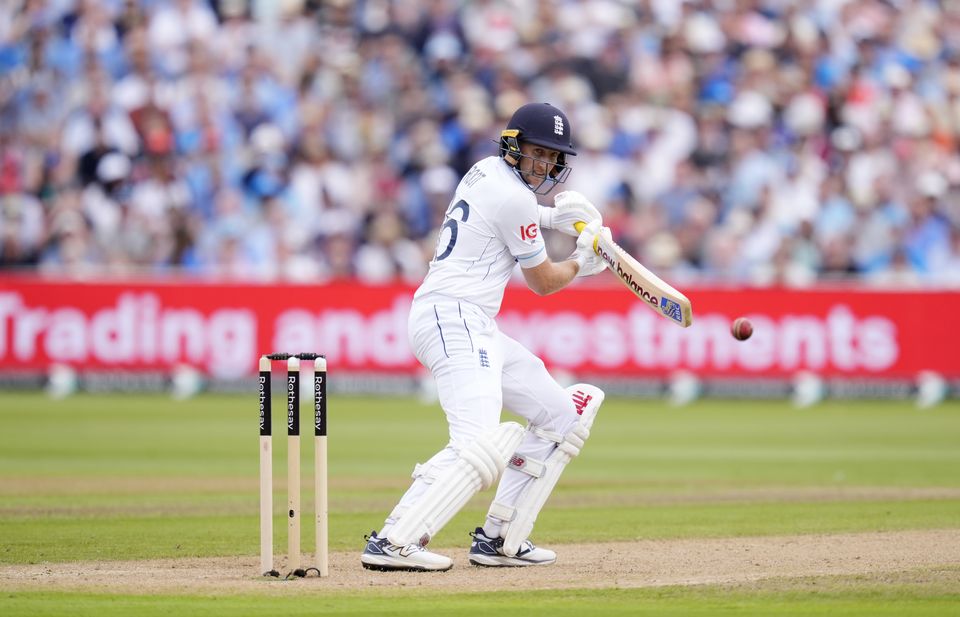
(741, 328)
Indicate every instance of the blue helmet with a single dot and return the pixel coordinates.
(544, 125)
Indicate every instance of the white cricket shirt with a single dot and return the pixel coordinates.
(491, 224)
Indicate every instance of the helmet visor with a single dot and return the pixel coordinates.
(542, 183)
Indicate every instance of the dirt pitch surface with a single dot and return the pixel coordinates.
(643, 563)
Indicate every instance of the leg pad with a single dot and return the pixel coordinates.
(477, 467)
(518, 520)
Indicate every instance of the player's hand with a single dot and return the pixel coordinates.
(585, 254)
(570, 207)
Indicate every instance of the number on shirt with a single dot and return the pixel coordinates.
(453, 226)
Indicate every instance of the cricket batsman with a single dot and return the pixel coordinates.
(492, 224)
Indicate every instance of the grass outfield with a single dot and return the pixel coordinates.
(869, 599)
(142, 477)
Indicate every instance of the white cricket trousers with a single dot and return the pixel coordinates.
(479, 371)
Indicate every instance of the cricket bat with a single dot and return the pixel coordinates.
(654, 291)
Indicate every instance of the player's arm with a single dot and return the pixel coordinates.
(548, 277)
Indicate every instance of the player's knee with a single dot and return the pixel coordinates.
(485, 454)
(571, 428)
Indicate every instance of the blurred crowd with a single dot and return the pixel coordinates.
(736, 141)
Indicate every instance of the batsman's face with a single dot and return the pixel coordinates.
(537, 162)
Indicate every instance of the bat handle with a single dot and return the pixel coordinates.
(579, 225)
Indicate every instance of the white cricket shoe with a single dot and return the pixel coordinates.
(485, 551)
(379, 554)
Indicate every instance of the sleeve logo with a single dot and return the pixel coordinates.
(529, 232)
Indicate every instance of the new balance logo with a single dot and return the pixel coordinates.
(517, 462)
(558, 125)
(484, 360)
(580, 401)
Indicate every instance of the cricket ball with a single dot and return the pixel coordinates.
(741, 328)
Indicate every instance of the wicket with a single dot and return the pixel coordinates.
(293, 463)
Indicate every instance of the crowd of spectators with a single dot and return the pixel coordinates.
(742, 141)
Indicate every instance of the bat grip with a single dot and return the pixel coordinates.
(579, 225)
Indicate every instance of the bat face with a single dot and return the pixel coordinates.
(655, 293)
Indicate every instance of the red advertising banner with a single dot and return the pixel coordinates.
(222, 328)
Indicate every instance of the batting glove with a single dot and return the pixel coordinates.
(570, 207)
(585, 255)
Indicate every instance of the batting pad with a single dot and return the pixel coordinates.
(518, 520)
(477, 467)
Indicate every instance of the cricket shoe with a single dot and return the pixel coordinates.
(379, 554)
(486, 551)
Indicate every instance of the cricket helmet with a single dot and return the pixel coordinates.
(544, 125)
